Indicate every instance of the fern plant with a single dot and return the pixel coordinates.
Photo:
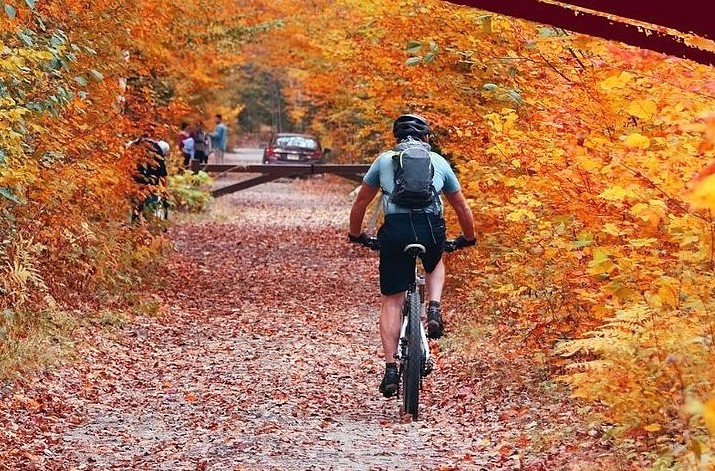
(650, 368)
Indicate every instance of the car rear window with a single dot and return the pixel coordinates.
(296, 141)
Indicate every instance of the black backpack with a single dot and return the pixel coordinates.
(413, 178)
(200, 141)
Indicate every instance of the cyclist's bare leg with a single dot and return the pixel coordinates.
(390, 323)
(434, 282)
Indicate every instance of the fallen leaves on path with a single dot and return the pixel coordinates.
(266, 357)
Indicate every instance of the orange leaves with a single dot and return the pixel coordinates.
(702, 194)
(702, 186)
(708, 129)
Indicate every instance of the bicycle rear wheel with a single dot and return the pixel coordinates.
(411, 369)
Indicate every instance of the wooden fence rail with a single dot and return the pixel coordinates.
(268, 173)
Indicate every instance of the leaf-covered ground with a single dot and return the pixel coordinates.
(263, 354)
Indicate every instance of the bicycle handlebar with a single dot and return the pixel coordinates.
(373, 243)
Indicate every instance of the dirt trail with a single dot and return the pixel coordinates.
(266, 358)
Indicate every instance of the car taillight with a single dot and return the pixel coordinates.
(270, 152)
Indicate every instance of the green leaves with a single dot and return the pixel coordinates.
(414, 47)
(26, 37)
(10, 11)
(8, 194)
(97, 75)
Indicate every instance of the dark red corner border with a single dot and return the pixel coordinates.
(687, 17)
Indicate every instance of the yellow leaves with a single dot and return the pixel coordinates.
(616, 81)
(506, 288)
(597, 143)
(652, 427)
(642, 242)
(650, 213)
(499, 150)
(705, 410)
(590, 165)
(702, 195)
(708, 130)
(462, 132)
(620, 292)
(503, 122)
(611, 229)
(601, 263)
(637, 140)
(520, 214)
(668, 293)
(642, 109)
(617, 193)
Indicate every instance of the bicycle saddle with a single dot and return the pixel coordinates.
(415, 249)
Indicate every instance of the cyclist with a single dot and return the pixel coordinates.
(150, 172)
(403, 226)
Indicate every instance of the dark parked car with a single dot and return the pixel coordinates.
(288, 148)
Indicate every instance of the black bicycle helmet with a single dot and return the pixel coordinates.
(410, 125)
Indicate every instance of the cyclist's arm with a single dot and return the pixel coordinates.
(464, 213)
(357, 213)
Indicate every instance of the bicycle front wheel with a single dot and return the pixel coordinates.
(411, 370)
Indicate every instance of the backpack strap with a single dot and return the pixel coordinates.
(394, 167)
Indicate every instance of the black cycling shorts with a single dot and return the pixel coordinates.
(397, 268)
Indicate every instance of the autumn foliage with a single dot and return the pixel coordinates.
(77, 83)
(580, 158)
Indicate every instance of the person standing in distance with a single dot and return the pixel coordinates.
(403, 226)
(219, 138)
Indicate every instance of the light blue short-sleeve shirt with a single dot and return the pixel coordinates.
(381, 174)
(219, 137)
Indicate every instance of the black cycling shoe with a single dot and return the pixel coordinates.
(388, 387)
(435, 326)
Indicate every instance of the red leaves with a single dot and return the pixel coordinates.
(265, 356)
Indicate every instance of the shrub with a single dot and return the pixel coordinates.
(190, 191)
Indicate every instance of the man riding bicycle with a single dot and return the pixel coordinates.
(403, 226)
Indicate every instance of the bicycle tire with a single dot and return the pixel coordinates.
(412, 370)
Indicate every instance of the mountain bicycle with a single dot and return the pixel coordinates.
(413, 352)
